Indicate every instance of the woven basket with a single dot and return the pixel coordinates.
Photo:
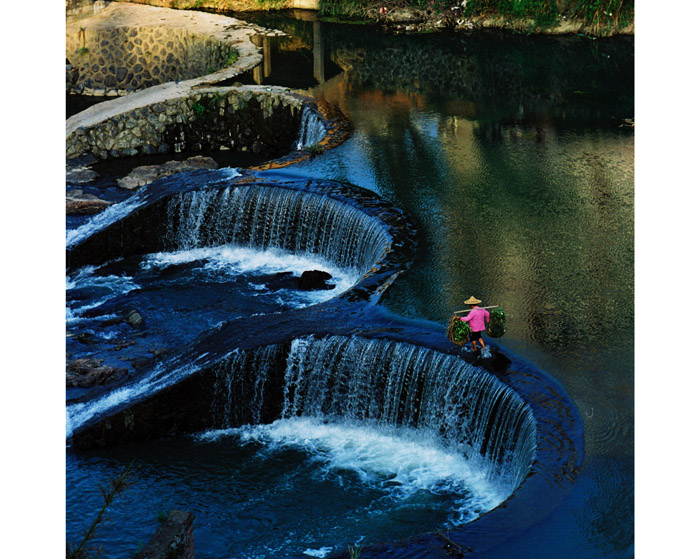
(458, 332)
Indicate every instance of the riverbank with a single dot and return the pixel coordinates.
(422, 16)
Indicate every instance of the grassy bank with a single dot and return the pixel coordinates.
(597, 17)
(594, 17)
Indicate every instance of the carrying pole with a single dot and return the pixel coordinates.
(469, 310)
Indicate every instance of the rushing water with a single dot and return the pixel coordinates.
(377, 483)
(348, 433)
(512, 156)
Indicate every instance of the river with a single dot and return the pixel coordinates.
(513, 157)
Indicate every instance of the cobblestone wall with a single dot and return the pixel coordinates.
(225, 118)
(119, 60)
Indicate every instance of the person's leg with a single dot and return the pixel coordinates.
(481, 341)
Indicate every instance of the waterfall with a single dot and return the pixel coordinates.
(277, 218)
(120, 210)
(110, 215)
(388, 383)
(312, 129)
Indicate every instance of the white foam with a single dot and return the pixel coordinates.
(402, 462)
(233, 260)
(321, 552)
(110, 286)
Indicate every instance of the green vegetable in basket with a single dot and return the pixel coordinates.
(458, 332)
(497, 323)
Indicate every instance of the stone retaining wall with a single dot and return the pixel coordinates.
(242, 119)
(118, 60)
(76, 9)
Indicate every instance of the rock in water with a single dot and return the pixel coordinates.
(88, 372)
(79, 203)
(313, 280)
(134, 318)
(146, 174)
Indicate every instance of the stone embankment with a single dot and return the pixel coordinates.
(127, 47)
(249, 118)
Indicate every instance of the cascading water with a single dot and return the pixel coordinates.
(312, 129)
(122, 209)
(388, 384)
(278, 218)
(104, 219)
(374, 439)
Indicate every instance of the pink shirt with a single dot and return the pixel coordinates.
(477, 319)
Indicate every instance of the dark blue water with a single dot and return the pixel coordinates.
(180, 295)
(511, 155)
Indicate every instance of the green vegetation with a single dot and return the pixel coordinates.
(82, 51)
(544, 12)
(161, 516)
(458, 332)
(272, 4)
(497, 324)
(341, 9)
(115, 487)
(201, 107)
(602, 15)
(462, 331)
(314, 149)
(232, 58)
(354, 551)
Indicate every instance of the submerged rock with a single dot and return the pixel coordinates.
(79, 203)
(89, 371)
(134, 319)
(146, 174)
(313, 280)
(79, 175)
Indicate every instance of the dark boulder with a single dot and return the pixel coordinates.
(313, 280)
(89, 372)
(134, 319)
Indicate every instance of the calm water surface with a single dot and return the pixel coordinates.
(512, 156)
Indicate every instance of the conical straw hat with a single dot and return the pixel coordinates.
(472, 301)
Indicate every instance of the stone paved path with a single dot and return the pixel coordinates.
(119, 15)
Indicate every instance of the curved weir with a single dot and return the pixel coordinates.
(331, 372)
(350, 228)
(385, 382)
(277, 218)
(342, 398)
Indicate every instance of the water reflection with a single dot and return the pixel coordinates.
(298, 61)
(508, 152)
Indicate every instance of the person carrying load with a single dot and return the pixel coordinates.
(477, 320)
